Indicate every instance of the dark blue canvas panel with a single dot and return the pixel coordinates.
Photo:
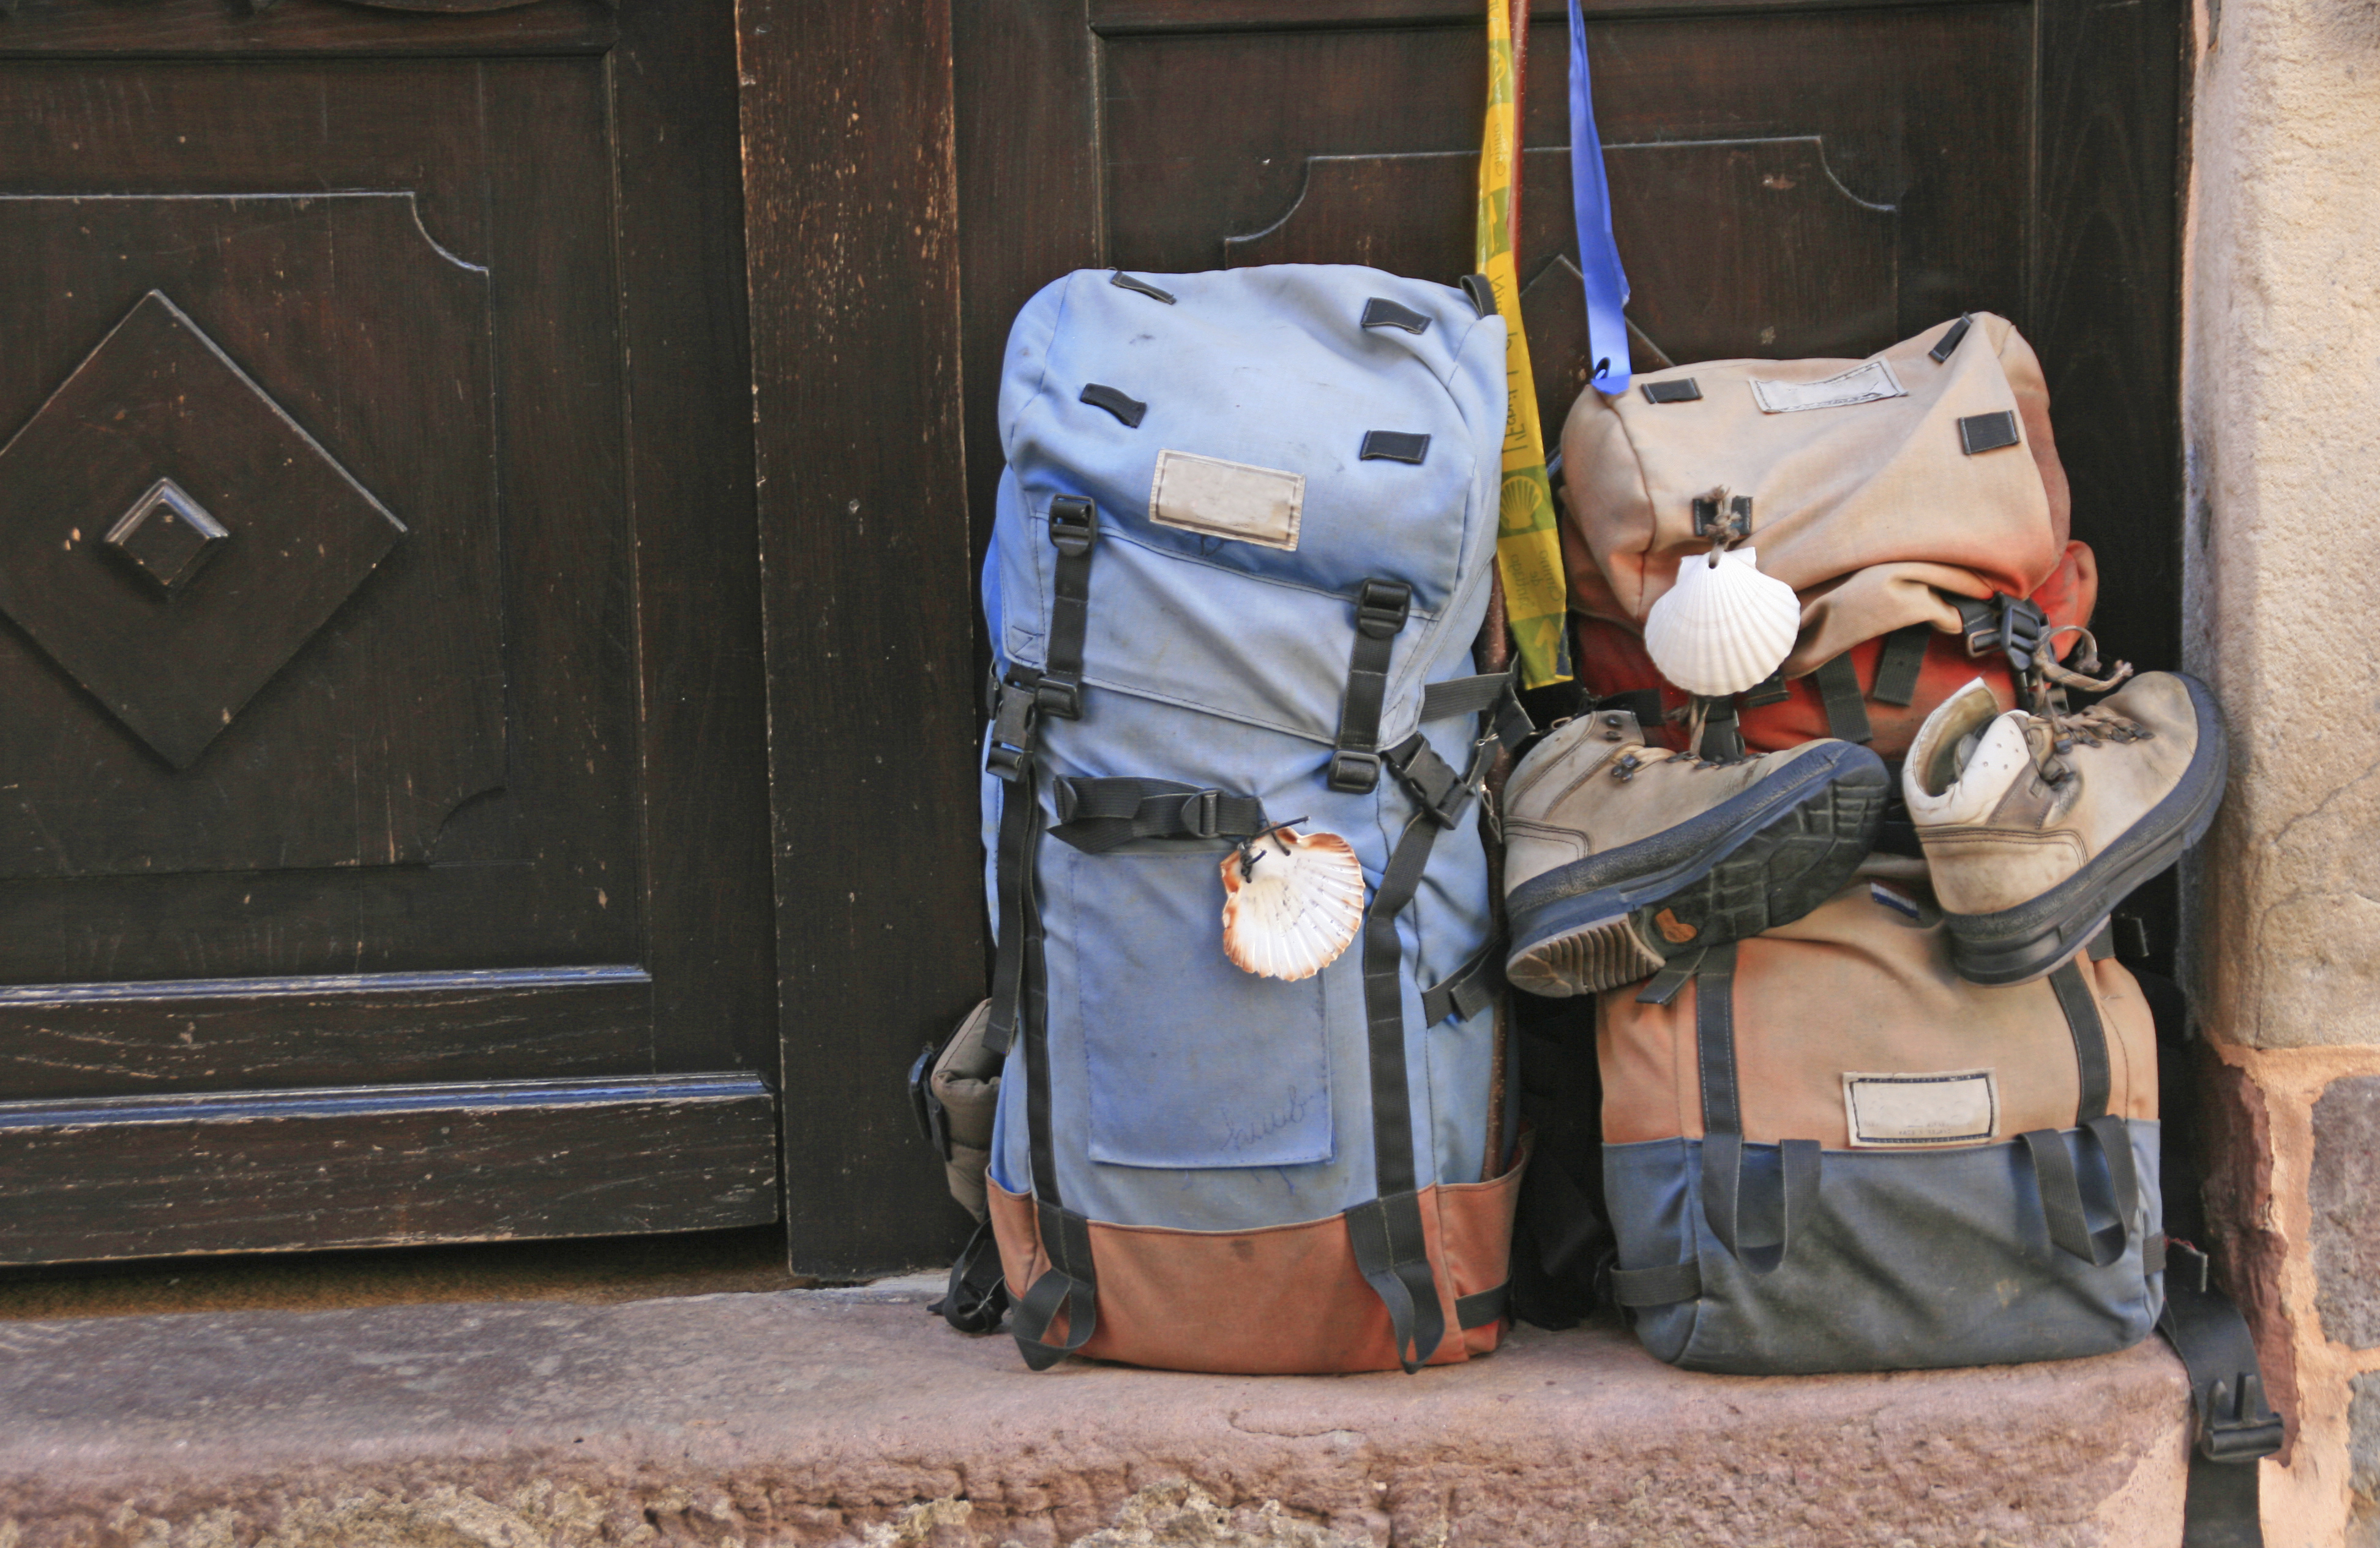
(1915, 1259)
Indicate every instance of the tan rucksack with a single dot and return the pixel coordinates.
(1989, 1155)
(1914, 500)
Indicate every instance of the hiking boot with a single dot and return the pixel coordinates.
(1619, 856)
(2036, 826)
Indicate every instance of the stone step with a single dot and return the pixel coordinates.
(818, 1417)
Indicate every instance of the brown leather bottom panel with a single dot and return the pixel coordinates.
(1287, 1299)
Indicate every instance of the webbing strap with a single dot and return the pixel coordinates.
(1067, 1286)
(2235, 1425)
(1665, 1286)
(1393, 1257)
(2060, 1184)
(1381, 609)
(1598, 255)
(1096, 815)
(976, 1297)
(1074, 529)
(1839, 689)
(1464, 695)
(1384, 1008)
(1020, 812)
(1468, 989)
(1481, 1307)
(2089, 1034)
(1898, 662)
(1386, 1232)
(1731, 1202)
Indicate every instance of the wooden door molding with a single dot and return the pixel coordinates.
(852, 228)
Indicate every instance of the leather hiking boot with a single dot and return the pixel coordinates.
(1619, 856)
(2036, 826)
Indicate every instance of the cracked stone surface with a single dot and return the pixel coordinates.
(813, 1418)
(2346, 1179)
(2363, 1458)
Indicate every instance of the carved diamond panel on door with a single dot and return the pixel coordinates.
(304, 383)
(158, 404)
(384, 825)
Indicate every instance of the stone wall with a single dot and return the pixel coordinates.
(2282, 421)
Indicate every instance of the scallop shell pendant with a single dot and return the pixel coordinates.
(1290, 903)
(1723, 627)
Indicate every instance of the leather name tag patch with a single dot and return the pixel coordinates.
(1953, 1106)
(1218, 499)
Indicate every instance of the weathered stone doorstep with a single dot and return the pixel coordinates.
(851, 1418)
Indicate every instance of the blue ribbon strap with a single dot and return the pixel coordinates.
(1598, 255)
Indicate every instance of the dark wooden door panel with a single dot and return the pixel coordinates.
(299, 299)
(139, 1177)
(184, 27)
(73, 1041)
(383, 847)
(486, 654)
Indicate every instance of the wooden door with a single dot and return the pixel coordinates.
(382, 803)
(1788, 180)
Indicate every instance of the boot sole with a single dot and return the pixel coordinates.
(1763, 858)
(2021, 943)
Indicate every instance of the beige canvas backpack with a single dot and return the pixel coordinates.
(1914, 500)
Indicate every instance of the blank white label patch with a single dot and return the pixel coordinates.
(1933, 1109)
(1222, 498)
(1866, 383)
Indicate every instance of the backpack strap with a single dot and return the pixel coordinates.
(1096, 815)
(1386, 1233)
(1073, 529)
(1019, 979)
(1468, 989)
(2054, 1174)
(1898, 664)
(1837, 680)
(1731, 1200)
(1381, 609)
(2236, 1427)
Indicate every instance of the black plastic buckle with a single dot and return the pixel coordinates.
(2023, 628)
(1073, 528)
(1430, 781)
(1353, 773)
(2184, 1262)
(1201, 814)
(1381, 609)
(932, 1120)
(1060, 697)
(1011, 752)
(2235, 1422)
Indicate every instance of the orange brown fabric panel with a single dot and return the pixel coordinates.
(1859, 990)
(1611, 659)
(1284, 1301)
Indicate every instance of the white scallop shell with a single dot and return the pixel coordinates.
(1723, 627)
(1291, 906)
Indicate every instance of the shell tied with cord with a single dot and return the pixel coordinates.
(1291, 902)
(1724, 626)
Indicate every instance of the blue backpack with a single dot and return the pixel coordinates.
(1244, 546)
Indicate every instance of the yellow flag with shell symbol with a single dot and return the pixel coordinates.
(1528, 545)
